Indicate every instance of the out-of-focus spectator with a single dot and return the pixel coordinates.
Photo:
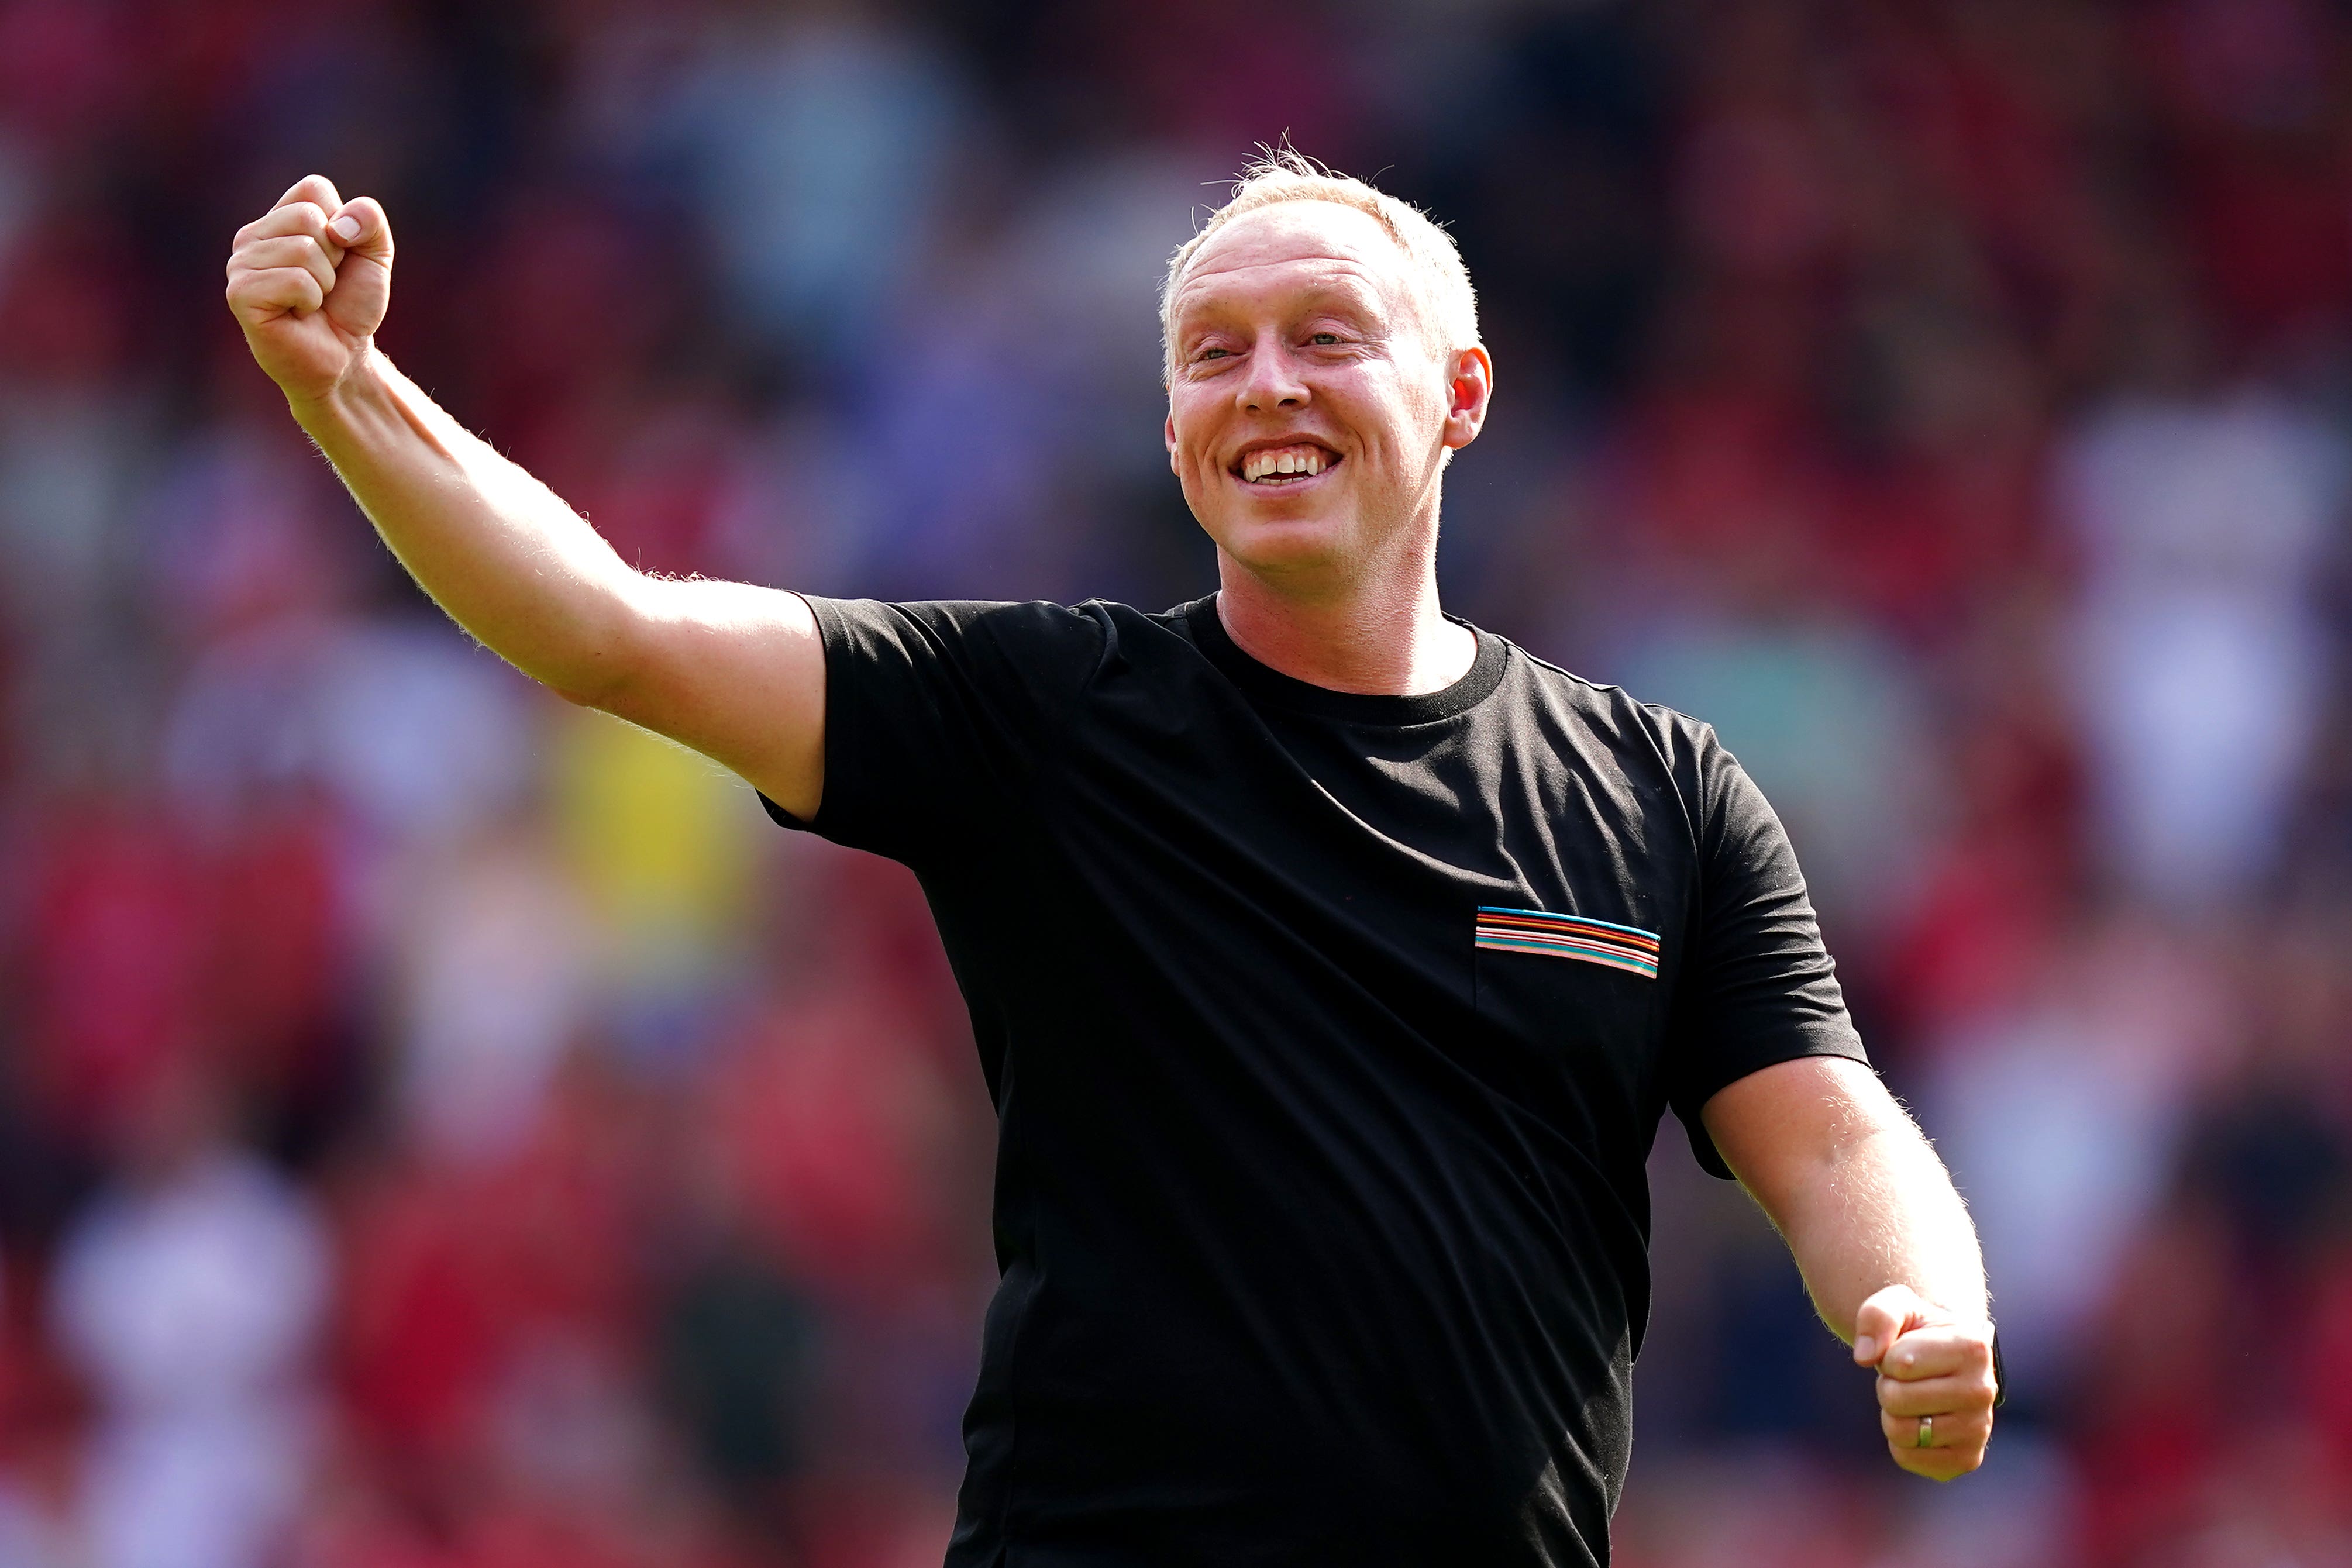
(190, 1296)
(493, 990)
(419, 740)
(2204, 661)
(2059, 1114)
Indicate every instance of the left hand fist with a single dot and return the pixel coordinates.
(1935, 1381)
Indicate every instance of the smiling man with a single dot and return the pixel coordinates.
(1333, 962)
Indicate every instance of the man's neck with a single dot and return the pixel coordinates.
(1391, 642)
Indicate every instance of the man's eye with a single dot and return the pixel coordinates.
(1215, 354)
(1324, 339)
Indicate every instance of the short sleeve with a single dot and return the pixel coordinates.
(1759, 986)
(937, 716)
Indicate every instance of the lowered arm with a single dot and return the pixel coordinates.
(1883, 1242)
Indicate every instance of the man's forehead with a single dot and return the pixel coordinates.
(1315, 237)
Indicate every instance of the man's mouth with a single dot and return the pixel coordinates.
(1272, 467)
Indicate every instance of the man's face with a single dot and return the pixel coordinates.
(1309, 408)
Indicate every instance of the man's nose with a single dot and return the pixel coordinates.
(1273, 380)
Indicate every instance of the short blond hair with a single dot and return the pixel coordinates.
(1449, 305)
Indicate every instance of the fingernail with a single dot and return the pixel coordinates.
(346, 228)
(1866, 1349)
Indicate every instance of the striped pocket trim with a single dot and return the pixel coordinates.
(1626, 948)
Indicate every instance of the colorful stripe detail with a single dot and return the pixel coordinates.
(1624, 947)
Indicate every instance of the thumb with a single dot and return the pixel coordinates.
(363, 276)
(362, 229)
(1885, 1316)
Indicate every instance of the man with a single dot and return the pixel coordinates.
(1332, 961)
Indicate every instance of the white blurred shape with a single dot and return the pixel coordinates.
(494, 992)
(2202, 659)
(420, 734)
(428, 734)
(191, 1308)
(2058, 1122)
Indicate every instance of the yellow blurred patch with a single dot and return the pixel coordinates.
(657, 837)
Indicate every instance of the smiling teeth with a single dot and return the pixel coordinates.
(1286, 462)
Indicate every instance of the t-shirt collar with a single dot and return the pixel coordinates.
(1269, 684)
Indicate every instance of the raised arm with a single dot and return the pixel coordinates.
(734, 671)
(1883, 1242)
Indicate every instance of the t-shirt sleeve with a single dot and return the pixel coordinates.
(938, 716)
(1759, 986)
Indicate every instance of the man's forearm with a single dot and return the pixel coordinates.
(494, 547)
(1854, 1188)
(1883, 1240)
(1883, 1213)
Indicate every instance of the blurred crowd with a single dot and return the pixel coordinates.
(442, 1128)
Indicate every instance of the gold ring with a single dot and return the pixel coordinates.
(1926, 1432)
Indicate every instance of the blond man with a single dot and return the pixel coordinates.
(1332, 961)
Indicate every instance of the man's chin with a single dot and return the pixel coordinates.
(1283, 547)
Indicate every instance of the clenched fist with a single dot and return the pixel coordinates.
(309, 282)
(1936, 1382)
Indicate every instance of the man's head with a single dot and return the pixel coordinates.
(1325, 332)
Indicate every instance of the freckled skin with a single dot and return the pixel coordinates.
(1300, 322)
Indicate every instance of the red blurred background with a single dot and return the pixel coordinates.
(440, 1128)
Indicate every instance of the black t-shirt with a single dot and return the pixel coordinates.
(1328, 1034)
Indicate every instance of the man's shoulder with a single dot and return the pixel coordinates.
(1015, 614)
(951, 624)
(1611, 711)
(1038, 645)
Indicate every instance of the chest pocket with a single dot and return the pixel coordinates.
(1569, 937)
(1578, 1004)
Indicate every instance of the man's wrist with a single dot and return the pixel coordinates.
(362, 377)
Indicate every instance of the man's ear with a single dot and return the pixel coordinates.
(1470, 389)
(1167, 436)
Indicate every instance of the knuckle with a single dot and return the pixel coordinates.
(282, 284)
